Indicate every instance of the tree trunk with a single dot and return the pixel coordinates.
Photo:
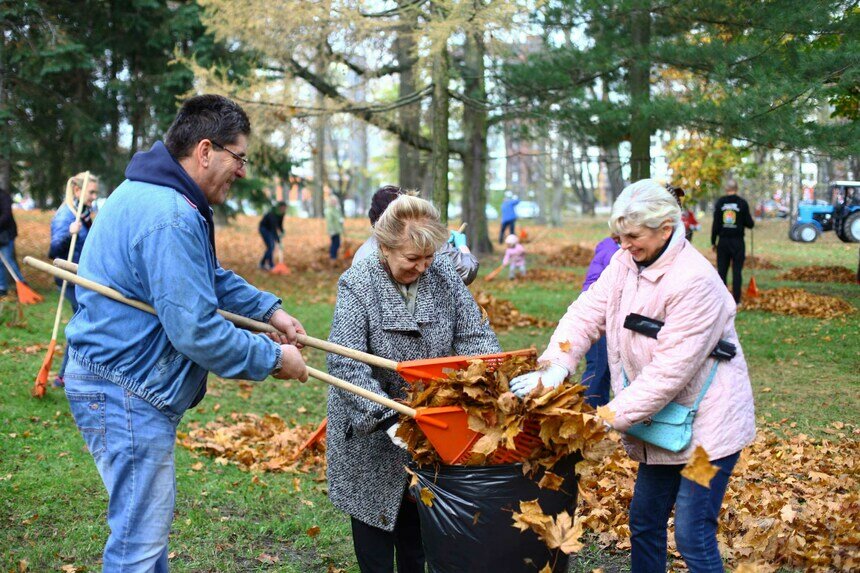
(639, 84)
(440, 131)
(5, 131)
(613, 172)
(475, 131)
(557, 169)
(318, 202)
(409, 157)
(588, 187)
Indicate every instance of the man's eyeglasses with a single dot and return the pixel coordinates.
(244, 161)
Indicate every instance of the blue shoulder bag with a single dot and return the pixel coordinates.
(672, 427)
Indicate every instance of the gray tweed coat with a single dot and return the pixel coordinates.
(366, 473)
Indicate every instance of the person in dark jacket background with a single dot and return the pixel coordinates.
(271, 228)
(8, 232)
(731, 217)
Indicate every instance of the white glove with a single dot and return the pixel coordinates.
(392, 433)
(550, 376)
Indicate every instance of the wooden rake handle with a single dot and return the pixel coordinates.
(318, 374)
(67, 271)
(364, 393)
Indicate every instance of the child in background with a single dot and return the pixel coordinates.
(515, 257)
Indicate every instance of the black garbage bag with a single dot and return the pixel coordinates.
(469, 527)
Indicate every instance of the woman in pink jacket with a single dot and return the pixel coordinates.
(658, 274)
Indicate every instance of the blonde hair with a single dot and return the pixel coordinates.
(77, 181)
(645, 203)
(410, 220)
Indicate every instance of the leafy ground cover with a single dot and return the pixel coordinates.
(52, 503)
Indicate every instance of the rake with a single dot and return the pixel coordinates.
(281, 268)
(26, 295)
(41, 382)
(412, 371)
(447, 427)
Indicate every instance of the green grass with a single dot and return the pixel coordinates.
(52, 502)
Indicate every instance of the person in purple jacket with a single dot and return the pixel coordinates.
(596, 375)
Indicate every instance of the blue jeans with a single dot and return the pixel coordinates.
(510, 226)
(658, 489)
(132, 445)
(270, 238)
(8, 251)
(73, 302)
(596, 376)
(334, 246)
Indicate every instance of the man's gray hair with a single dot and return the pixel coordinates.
(645, 203)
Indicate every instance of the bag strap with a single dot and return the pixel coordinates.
(706, 386)
(698, 401)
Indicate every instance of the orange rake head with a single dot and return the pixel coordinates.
(447, 430)
(26, 295)
(42, 377)
(281, 269)
(526, 442)
(317, 437)
(438, 368)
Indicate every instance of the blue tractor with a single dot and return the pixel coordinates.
(841, 215)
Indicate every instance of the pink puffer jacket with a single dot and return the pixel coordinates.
(683, 290)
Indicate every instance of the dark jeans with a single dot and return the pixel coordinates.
(507, 225)
(731, 251)
(334, 246)
(73, 302)
(8, 250)
(657, 490)
(270, 238)
(375, 548)
(596, 376)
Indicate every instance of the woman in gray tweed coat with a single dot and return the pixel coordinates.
(402, 303)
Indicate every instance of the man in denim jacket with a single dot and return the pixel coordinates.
(131, 375)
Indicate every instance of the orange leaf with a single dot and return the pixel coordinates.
(699, 469)
(565, 346)
(551, 481)
(606, 414)
(314, 531)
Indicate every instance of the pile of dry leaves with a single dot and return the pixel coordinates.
(817, 274)
(560, 418)
(503, 314)
(570, 256)
(256, 443)
(798, 302)
(759, 263)
(791, 502)
(553, 276)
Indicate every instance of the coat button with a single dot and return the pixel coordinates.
(94, 405)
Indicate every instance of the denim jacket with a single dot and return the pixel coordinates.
(61, 238)
(151, 244)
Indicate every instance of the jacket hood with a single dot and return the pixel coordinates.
(158, 167)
